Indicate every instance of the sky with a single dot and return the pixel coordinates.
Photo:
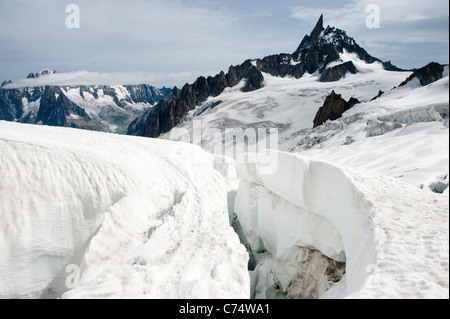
(171, 42)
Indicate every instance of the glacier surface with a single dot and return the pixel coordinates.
(393, 237)
(138, 218)
(143, 218)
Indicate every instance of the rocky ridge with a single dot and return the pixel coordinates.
(95, 107)
(314, 54)
(333, 108)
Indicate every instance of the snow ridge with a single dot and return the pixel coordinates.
(394, 246)
(132, 215)
(129, 213)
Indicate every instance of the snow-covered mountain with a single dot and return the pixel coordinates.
(39, 74)
(402, 134)
(327, 107)
(325, 51)
(108, 108)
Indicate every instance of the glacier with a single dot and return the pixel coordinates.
(146, 218)
(392, 237)
(130, 213)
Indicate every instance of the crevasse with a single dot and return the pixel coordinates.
(317, 230)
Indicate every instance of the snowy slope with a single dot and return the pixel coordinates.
(115, 111)
(131, 212)
(404, 133)
(345, 217)
(288, 104)
(145, 218)
(361, 191)
(392, 236)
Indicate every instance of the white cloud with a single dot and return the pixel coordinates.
(157, 36)
(95, 78)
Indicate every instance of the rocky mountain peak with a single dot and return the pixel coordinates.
(41, 73)
(427, 75)
(318, 28)
(315, 53)
(6, 83)
(324, 46)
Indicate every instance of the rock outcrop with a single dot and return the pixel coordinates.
(333, 108)
(338, 72)
(380, 94)
(41, 73)
(6, 82)
(426, 75)
(255, 80)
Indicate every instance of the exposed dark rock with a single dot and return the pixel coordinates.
(7, 110)
(171, 111)
(11, 104)
(237, 73)
(316, 51)
(39, 74)
(145, 93)
(333, 108)
(281, 65)
(6, 82)
(388, 66)
(380, 93)
(54, 107)
(255, 81)
(318, 28)
(338, 72)
(217, 84)
(427, 75)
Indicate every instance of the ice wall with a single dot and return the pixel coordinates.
(307, 218)
(138, 218)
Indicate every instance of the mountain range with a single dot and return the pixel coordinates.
(318, 53)
(147, 111)
(94, 107)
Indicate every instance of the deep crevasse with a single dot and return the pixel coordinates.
(392, 236)
(149, 219)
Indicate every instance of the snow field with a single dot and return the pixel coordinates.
(142, 218)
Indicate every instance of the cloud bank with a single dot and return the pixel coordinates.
(96, 78)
